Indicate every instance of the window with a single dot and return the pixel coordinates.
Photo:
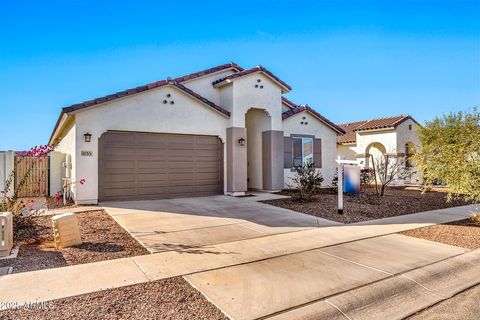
(302, 151)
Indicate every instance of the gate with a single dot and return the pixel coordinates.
(37, 170)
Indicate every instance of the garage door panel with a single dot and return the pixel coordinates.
(116, 193)
(151, 166)
(115, 152)
(181, 165)
(119, 164)
(153, 190)
(119, 177)
(152, 177)
(206, 175)
(119, 139)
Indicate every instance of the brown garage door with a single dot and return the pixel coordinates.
(136, 165)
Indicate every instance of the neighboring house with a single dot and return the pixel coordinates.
(220, 130)
(394, 136)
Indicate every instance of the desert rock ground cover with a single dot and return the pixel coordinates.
(103, 239)
(172, 298)
(367, 205)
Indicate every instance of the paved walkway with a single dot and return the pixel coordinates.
(326, 261)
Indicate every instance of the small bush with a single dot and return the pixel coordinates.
(307, 180)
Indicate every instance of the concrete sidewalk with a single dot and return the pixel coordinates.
(57, 283)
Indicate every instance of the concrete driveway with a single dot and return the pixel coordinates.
(189, 223)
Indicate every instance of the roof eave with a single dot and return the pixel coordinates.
(285, 89)
(338, 130)
(62, 118)
(375, 129)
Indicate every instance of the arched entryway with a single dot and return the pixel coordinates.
(374, 150)
(257, 121)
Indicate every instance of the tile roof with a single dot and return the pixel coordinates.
(243, 73)
(380, 123)
(350, 135)
(146, 87)
(152, 85)
(209, 71)
(373, 124)
(289, 103)
(306, 107)
(157, 84)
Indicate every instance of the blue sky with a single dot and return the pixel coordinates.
(350, 60)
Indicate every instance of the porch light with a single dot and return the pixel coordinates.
(241, 141)
(87, 137)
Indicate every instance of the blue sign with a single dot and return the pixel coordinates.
(351, 181)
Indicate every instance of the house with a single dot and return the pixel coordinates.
(370, 139)
(224, 130)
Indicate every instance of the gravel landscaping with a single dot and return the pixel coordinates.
(367, 205)
(463, 233)
(172, 298)
(103, 239)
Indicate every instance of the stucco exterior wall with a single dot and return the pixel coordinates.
(387, 138)
(285, 107)
(347, 152)
(292, 126)
(144, 112)
(406, 135)
(56, 172)
(203, 85)
(7, 160)
(246, 96)
(393, 140)
(67, 146)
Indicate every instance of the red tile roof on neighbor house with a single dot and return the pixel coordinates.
(373, 124)
(243, 73)
(350, 135)
(306, 107)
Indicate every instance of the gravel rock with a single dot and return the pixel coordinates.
(463, 233)
(367, 205)
(172, 298)
(103, 239)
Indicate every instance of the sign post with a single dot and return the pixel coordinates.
(341, 164)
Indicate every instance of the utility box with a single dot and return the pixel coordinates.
(66, 232)
(6, 233)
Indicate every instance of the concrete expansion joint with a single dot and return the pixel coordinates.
(391, 276)
(143, 271)
(424, 287)
(357, 263)
(339, 310)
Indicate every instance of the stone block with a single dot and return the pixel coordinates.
(6, 233)
(66, 232)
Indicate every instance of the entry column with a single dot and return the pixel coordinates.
(272, 160)
(236, 161)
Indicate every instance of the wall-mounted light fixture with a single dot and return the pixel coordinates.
(241, 141)
(87, 137)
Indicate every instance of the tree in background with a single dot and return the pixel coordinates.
(451, 153)
(388, 168)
